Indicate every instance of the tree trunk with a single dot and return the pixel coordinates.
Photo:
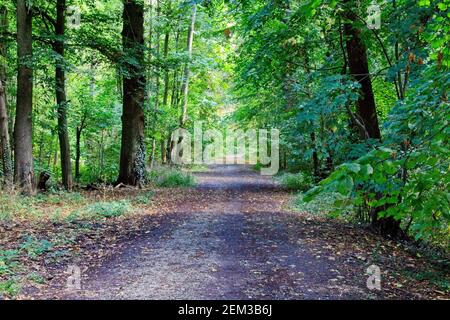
(4, 125)
(158, 54)
(61, 100)
(185, 86)
(365, 106)
(166, 71)
(78, 154)
(359, 69)
(4, 140)
(23, 128)
(132, 156)
(3, 47)
(163, 151)
(175, 76)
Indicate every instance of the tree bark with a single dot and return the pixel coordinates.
(4, 140)
(61, 99)
(5, 152)
(166, 69)
(23, 128)
(175, 84)
(132, 156)
(359, 69)
(185, 86)
(158, 54)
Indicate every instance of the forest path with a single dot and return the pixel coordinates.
(236, 242)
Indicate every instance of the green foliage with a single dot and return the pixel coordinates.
(10, 287)
(171, 178)
(297, 182)
(324, 205)
(35, 247)
(8, 262)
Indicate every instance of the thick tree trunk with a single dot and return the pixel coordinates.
(61, 100)
(4, 140)
(23, 129)
(359, 69)
(132, 156)
(365, 107)
(187, 67)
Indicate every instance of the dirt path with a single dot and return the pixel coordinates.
(239, 244)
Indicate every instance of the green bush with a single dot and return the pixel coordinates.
(171, 178)
(295, 182)
(323, 205)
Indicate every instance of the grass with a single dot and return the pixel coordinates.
(144, 199)
(106, 209)
(10, 287)
(8, 262)
(16, 206)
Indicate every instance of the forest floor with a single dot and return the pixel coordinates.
(233, 236)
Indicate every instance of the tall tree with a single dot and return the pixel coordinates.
(132, 156)
(359, 69)
(187, 67)
(61, 100)
(23, 129)
(4, 139)
(166, 69)
(4, 126)
(366, 113)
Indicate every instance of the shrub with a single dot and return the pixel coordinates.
(295, 182)
(171, 178)
(323, 205)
